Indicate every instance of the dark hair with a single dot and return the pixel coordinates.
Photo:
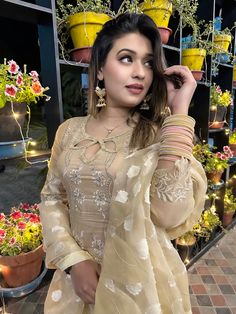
(144, 133)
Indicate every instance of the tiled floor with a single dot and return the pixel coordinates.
(212, 283)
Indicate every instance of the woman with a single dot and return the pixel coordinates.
(122, 182)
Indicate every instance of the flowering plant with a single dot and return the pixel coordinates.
(232, 137)
(21, 230)
(219, 98)
(229, 201)
(18, 86)
(211, 161)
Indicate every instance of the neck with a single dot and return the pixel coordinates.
(113, 114)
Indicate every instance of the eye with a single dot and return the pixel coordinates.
(149, 63)
(126, 59)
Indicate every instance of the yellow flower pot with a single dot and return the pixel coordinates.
(159, 10)
(193, 58)
(221, 43)
(84, 27)
(234, 76)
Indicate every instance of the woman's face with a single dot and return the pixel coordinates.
(127, 72)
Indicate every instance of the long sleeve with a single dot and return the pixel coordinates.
(178, 196)
(61, 248)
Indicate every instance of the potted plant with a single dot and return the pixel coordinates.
(198, 46)
(213, 163)
(18, 89)
(219, 101)
(229, 207)
(83, 21)
(21, 251)
(232, 141)
(185, 245)
(206, 226)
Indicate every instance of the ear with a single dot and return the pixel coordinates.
(100, 75)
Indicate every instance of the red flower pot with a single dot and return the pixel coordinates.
(215, 176)
(21, 269)
(81, 54)
(165, 33)
(197, 75)
(227, 218)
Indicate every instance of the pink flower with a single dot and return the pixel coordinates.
(25, 206)
(19, 80)
(34, 218)
(218, 155)
(27, 215)
(226, 149)
(218, 89)
(223, 157)
(2, 233)
(16, 215)
(34, 75)
(12, 241)
(13, 67)
(10, 90)
(21, 225)
(36, 88)
(2, 216)
(35, 207)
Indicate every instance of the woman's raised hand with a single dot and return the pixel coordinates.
(181, 92)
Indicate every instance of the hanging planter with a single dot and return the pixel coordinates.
(214, 176)
(193, 58)
(221, 43)
(160, 11)
(9, 128)
(83, 27)
(217, 117)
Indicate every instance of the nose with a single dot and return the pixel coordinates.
(138, 70)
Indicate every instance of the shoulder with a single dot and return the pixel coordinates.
(69, 128)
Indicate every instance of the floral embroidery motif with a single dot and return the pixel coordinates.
(133, 171)
(79, 197)
(75, 175)
(109, 284)
(98, 178)
(154, 309)
(122, 197)
(100, 200)
(128, 223)
(137, 188)
(57, 228)
(56, 295)
(59, 248)
(98, 247)
(134, 289)
(172, 186)
(142, 248)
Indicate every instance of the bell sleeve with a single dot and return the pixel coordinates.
(62, 251)
(179, 182)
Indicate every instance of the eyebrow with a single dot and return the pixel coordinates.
(132, 51)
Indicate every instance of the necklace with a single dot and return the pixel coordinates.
(109, 130)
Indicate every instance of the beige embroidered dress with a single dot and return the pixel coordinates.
(118, 209)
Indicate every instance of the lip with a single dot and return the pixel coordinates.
(135, 88)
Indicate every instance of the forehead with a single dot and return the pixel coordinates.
(133, 41)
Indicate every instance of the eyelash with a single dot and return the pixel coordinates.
(130, 59)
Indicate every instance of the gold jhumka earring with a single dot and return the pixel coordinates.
(145, 105)
(101, 93)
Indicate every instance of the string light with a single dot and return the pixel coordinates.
(24, 141)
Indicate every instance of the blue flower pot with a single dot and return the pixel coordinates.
(12, 149)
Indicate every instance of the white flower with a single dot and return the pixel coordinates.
(133, 171)
(57, 228)
(137, 188)
(56, 295)
(154, 309)
(109, 284)
(142, 248)
(135, 288)
(122, 196)
(128, 223)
